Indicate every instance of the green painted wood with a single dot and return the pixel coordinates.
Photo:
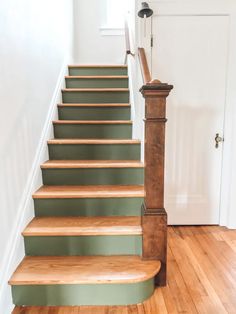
(101, 294)
(83, 245)
(87, 97)
(130, 206)
(94, 113)
(85, 131)
(94, 151)
(94, 294)
(96, 176)
(97, 83)
(97, 71)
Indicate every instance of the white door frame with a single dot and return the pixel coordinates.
(212, 8)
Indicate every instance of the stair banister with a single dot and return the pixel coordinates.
(144, 66)
(154, 219)
(127, 41)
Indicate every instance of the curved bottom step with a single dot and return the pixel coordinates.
(83, 280)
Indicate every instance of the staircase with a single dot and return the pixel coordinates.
(84, 246)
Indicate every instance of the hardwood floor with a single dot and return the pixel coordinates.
(201, 277)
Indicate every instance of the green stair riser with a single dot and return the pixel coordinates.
(95, 97)
(100, 131)
(95, 71)
(99, 176)
(83, 245)
(96, 83)
(94, 151)
(88, 207)
(94, 113)
(79, 294)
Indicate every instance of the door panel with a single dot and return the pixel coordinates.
(190, 52)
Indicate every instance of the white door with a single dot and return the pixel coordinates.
(190, 52)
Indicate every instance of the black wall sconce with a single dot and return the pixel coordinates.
(145, 12)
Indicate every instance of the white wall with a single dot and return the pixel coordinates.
(91, 47)
(35, 47)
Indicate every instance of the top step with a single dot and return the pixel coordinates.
(97, 70)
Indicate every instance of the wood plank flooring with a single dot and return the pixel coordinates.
(201, 277)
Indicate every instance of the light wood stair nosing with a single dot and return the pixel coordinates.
(65, 105)
(95, 90)
(105, 122)
(33, 270)
(91, 191)
(91, 164)
(83, 226)
(96, 77)
(82, 66)
(70, 141)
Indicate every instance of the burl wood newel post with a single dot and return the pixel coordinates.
(154, 219)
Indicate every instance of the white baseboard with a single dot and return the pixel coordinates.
(15, 249)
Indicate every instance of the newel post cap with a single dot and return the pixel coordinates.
(156, 89)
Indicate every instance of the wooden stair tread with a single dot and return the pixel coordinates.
(92, 122)
(91, 90)
(71, 164)
(56, 270)
(97, 77)
(83, 226)
(93, 141)
(90, 191)
(93, 105)
(98, 66)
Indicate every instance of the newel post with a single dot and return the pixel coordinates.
(154, 219)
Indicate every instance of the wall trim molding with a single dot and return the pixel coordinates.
(15, 248)
(112, 31)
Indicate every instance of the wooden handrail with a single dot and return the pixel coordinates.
(154, 217)
(127, 41)
(144, 65)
